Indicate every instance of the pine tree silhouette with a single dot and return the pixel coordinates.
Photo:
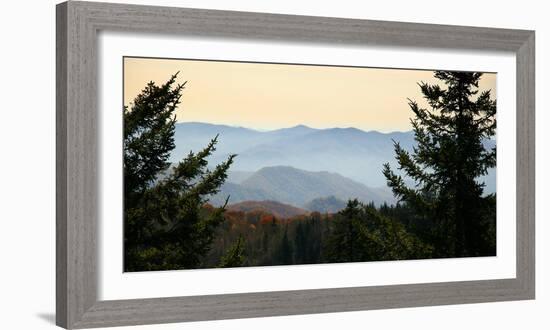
(446, 163)
(165, 223)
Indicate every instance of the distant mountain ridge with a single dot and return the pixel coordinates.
(274, 208)
(350, 152)
(288, 185)
(328, 204)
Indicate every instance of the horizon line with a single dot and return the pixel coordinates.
(266, 130)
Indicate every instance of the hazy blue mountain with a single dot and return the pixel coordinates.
(238, 176)
(289, 133)
(329, 204)
(239, 193)
(350, 152)
(297, 187)
(195, 136)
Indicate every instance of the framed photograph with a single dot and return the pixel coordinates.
(217, 164)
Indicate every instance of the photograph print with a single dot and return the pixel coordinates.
(239, 164)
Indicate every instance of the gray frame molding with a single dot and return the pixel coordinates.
(77, 189)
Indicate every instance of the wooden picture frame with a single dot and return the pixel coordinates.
(78, 24)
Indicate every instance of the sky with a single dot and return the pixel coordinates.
(268, 96)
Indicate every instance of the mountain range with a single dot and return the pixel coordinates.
(298, 187)
(299, 164)
(328, 204)
(350, 152)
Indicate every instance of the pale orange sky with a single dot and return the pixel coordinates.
(270, 96)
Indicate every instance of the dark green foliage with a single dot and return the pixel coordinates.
(343, 244)
(447, 199)
(165, 224)
(235, 255)
(358, 233)
(284, 255)
(361, 233)
(308, 241)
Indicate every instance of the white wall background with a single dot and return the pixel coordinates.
(27, 163)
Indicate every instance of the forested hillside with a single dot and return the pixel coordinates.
(356, 233)
(297, 187)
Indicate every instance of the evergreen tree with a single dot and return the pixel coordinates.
(265, 242)
(165, 224)
(235, 256)
(361, 233)
(306, 242)
(447, 162)
(383, 238)
(342, 244)
(301, 243)
(285, 249)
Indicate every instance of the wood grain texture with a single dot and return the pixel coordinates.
(525, 165)
(77, 189)
(61, 167)
(197, 308)
(77, 152)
